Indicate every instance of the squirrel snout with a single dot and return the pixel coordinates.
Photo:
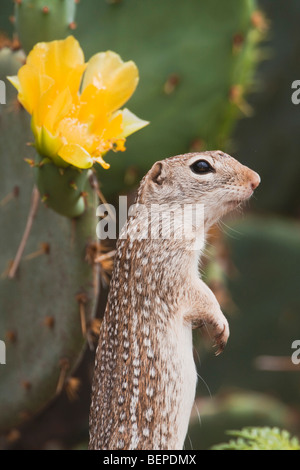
(255, 180)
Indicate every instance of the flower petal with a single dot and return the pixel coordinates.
(31, 85)
(15, 81)
(61, 60)
(48, 145)
(93, 105)
(120, 79)
(76, 155)
(114, 128)
(131, 123)
(54, 107)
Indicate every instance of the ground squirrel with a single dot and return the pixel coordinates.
(145, 377)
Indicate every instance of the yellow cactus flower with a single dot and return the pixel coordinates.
(75, 107)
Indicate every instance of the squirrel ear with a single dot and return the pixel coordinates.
(157, 173)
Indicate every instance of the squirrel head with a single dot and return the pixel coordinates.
(214, 179)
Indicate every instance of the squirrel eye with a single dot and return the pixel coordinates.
(201, 167)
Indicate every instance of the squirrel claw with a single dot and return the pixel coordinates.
(220, 349)
(221, 339)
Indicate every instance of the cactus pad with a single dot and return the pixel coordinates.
(52, 293)
(195, 59)
(44, 20)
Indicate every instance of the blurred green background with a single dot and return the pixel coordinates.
(256, 272)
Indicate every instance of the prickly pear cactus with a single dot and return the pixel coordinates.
(43, 20)
(46, 307)
(196, 60)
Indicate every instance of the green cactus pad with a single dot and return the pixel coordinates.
(6, 17)
(40, 319)
(195, 58)
(44, 20)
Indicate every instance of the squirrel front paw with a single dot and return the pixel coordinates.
(218, 326)
(207, 312)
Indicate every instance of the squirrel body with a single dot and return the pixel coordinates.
(145, 377)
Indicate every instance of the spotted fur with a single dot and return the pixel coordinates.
(145, 377)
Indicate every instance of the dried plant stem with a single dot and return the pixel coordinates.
(105, 256)
(32, 213)
(105, 203)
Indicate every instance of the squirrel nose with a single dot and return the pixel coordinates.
(255, 181)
